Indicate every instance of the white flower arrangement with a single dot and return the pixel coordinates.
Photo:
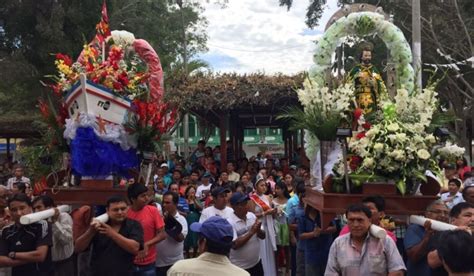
(365, 23)
(123, 38)
(451, 152)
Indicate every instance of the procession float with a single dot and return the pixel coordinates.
(361, 139)
(109, 113)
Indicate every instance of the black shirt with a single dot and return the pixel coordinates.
(110, 259)
(27, 238)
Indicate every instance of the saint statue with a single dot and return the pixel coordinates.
(368, 83)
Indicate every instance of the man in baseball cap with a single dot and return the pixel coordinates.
(220, 208)
(215, 242)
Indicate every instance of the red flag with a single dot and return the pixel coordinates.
(103, 30)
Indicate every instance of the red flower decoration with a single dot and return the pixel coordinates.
(360, 135)
(355, 162)
(366, 125)
(357, 113)
(44, 108)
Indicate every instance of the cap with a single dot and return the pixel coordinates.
(172, 226)
(216, 229)
(164, 165)
(238, 197)
(219, 190)
(206, 174)
(293, 167)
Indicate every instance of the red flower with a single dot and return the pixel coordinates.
(123, 79)
(44, 108)
(366, 125)
(117, 85)
(357, 113)
(360, 135)
(63, 114)
(354, 162)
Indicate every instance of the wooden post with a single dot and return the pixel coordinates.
(222, 132)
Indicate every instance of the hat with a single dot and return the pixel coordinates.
(136, 189)
(206, 174)
(238, 198)
(172, 226)
(216, 229)
(293, 167)
(219, 190)
(164, 165)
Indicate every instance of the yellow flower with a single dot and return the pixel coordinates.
(62, 67)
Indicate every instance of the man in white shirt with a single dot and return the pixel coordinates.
(219, 208)
(245, 252)
(170, 250)
(233, 176)
(18, 178)
(453, 196)
(63, 245)
(204, 188)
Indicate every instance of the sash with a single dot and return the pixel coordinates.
(260, 202)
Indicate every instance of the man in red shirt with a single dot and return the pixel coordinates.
(152, 224)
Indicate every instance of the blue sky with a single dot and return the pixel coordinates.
(260, 36)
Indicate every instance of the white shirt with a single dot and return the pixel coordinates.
(248, 255)
(14, 179)
(169, 251)
(201, 188)
(63, 244)
(457, 199)
(213, 211)
(235, 177)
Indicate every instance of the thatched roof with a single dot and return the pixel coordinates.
(231, 91)
(19, 126)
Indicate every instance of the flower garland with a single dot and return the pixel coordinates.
(364, 24)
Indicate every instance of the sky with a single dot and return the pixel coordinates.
(250, 36)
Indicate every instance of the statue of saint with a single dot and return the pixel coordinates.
(368, 83)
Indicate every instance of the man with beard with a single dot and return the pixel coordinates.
(368, 82)
(115, 243)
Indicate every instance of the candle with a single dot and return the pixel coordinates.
(35, 217)
(435, 224)
(377, 232)
(102, 218)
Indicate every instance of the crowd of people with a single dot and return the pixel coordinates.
(250, 219)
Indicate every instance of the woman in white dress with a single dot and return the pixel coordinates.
(263, 208)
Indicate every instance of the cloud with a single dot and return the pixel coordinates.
(260, 36)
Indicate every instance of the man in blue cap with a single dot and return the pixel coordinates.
(215, 243)
(245, 251)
